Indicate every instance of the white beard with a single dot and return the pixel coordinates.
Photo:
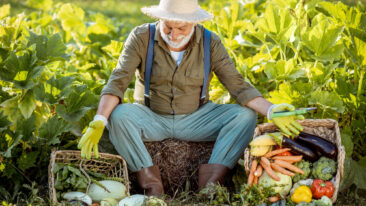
(176, 44)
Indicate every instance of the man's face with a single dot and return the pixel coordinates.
(176, 34)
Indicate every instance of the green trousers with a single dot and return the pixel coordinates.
(231, 126)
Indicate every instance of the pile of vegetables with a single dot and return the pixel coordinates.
(299, 170)
(87, 187)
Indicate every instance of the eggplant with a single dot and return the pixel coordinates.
(325, 147)
(298, 149)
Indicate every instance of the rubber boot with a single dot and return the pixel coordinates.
(150, 180)
(211, 173)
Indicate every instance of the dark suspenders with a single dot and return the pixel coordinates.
(150, 57)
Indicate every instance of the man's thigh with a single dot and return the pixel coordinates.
(139, 119)
(206, 123)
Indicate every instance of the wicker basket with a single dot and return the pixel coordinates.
(325, 128)
(108, 164)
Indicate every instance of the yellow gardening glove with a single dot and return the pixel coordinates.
(89, 141)
(287, 125)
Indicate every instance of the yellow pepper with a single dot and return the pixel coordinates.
(302, 194)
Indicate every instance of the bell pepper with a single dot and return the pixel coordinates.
(320, 188)
(302, 194)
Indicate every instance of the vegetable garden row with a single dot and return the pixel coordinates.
(56, 57)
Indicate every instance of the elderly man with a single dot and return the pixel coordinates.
(171, 94)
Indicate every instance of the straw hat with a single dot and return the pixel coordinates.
(178, 10)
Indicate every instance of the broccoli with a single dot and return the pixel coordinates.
(305, 166)
(324, 168)
(324, 201)
(305, 204)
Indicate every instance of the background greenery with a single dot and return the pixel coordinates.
(56, 56)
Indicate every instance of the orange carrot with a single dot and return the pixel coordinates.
(290, 159)
(255, 181)
(266, 162)
(258, 172)
(276, 152)
(252, 170)
(267, 167)
(279, 169)
(289, 166)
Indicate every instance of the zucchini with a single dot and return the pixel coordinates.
(296, 148)
(325, 147)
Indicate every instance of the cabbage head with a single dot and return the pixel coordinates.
(281, 187)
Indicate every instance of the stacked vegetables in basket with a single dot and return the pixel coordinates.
(300, 168)
(87, 187)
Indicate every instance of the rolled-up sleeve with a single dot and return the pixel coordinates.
(225, 70)
(128, 61)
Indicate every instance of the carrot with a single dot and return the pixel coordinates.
(274, 198)
(267, 167)
(276, 152)
(280, 169)
(290, 159)
(266, 162)
(255, 181)
(252, 170)
(258, 172)
(289, 166)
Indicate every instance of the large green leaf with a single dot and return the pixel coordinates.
(102, 26)
(27, 104)
(114, 48)
(53, 89)
(72, 18)
(361, 50)
(7, 33)
(283, 70)
(354, 173)
(347, 141)
(323, 38)
(53, 128)
(27, 160)
(21, 70)
(4, 122)
(11, 108)
(40, 4)
(285, 94)
(13, 144)
(75, 106)
(47, 48)
(319, 74)
(27, 127)
(327, 100)
(4, 10)
(277, 22)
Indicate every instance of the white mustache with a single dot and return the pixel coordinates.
(181, 39)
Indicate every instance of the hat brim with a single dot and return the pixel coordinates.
(198, 16)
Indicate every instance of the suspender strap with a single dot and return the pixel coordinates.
(148, 63)
(207, 60)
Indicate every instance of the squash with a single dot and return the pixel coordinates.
(116, 190)
(133, 200)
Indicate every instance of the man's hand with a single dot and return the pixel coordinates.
(287, 125)
(89, 141)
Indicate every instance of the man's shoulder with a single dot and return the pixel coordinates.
(214, 37)
(140, 30)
